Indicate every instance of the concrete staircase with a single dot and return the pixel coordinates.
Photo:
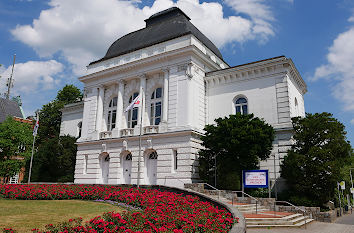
(265, 218)
(258, 216)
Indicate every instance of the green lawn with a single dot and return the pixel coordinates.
(24, 215)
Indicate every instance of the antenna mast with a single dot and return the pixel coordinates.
(10, 81)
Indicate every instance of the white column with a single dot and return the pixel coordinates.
(142, 93)
(85, 115)
(165, 95)
(120, 105)
(99, 109)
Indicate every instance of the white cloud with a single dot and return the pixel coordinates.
(32, 76)
(260, 14)
(340, 68)
(82, 30)
(352, 121)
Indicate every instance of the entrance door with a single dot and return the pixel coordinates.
(105, 168)
(152, 168)
(127, 168)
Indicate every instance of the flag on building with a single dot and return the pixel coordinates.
(36, 126)
(135, 103)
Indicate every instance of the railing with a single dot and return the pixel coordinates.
(127, 132)
(213, 188)
(296, 207)
(174, 178)
(106, 134)
(151, 129)
(243, 193)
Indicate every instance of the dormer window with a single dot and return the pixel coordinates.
(156, 107)
(112, 114)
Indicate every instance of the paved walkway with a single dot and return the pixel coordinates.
(314, 227)
(346, 219)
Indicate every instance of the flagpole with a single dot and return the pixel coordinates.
(141, 127)
(30, 170)
(34, 139)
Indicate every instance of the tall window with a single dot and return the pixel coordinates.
(133, 113)
(156, 106)
(112, 114)
(241, 105)
(175, 160)
(79, 127)
(296, 108)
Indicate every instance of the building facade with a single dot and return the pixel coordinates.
(185, 84)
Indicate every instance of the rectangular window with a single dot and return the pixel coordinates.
(114, 116)
(175, 160)
(109, 121)
(238, 109)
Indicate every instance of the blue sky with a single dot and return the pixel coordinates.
(54, 41)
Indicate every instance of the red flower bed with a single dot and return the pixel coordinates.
(161, 211)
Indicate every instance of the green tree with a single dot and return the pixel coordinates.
(55, 160)
(313, 164)
(238, 142)
(50, 114)
(15, 143)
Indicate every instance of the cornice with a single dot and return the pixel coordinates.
(73, 107)
(143, 137)
(244, 73)
(295, 75)
(267, 68)
(166, 56)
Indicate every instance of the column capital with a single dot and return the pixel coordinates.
(165, 70)
(121, 82)
(141, 76)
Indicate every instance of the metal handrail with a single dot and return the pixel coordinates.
(296, 207)
(213, 188)
(246, 195)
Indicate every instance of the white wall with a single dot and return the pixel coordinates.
(294, 92)
(260, 94)
(186, 146)
(70, 121)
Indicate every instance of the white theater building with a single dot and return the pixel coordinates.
(185, 85)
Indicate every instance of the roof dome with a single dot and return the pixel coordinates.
(160, 27)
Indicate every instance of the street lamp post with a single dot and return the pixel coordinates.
(351, 180)
(215, 172)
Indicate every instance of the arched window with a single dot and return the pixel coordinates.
(241, 105)
(133, 113)
(112, 114)
(156, 106)
(128, 157)
(153, 155)
(79, 127)
(296, 107)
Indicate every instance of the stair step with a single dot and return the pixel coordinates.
(281, 220)
(278, 224)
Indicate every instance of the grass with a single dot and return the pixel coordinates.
(24, 215)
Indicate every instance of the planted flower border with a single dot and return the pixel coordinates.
(161, 211)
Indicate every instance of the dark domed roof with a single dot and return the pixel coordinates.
(160, 27)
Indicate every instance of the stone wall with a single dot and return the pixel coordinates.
(314, 212)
